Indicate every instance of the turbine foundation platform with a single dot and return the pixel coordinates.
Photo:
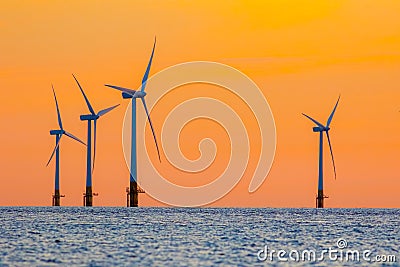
(320, 199)
(132, 194)
(56, 198)
(88, 197)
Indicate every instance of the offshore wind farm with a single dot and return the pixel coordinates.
(133, 190)
(235, 125)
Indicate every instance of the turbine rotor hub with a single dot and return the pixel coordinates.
(139, 94)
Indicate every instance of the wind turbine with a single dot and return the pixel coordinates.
(88, 196)
(132, 192)
(321, 128)
(58, 133)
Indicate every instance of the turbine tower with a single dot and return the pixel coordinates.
(321, 129)
(58, 133)
(88, 195)
(133, 190)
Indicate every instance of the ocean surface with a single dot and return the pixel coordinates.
(78, 236)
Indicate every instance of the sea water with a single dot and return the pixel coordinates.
(78, 236)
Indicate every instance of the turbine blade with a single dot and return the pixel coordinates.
(146, 74)
(106, 110)
(152, 129)
(74, 137)
(126, 90)
(94, 143)
(316, 122)
(54, 150)
(86, 99)
(330, 147)
(333, 112)
(58, 110)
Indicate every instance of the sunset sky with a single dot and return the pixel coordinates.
(301, 53)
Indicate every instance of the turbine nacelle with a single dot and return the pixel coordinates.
(321, 129)
(56, 132)
(131, 93)
(126, 95)
(89, 117)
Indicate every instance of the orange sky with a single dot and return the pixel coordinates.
(301, 53)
